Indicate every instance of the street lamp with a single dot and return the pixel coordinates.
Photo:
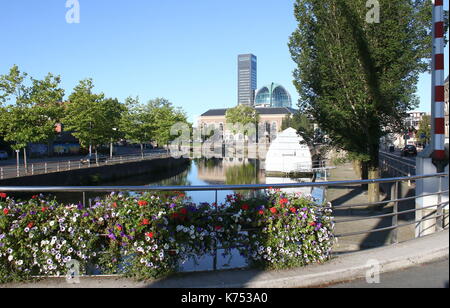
(111, 145)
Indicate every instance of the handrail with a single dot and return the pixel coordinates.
(210, 187)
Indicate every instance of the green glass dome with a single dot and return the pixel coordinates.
(273, 95)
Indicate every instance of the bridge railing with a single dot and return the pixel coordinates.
(12, 171)
(395, 166)
(439, 209)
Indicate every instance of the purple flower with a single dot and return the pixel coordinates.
(173, 205)
(80, 206)
(112, 236)
(86, 214)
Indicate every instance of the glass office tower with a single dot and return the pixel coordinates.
(246, 79)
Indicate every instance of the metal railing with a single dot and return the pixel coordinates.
(395, 199)
(396, 166)
(12, 171)
(438, 213)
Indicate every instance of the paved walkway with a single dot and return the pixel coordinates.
(433, 275)
(353, 195)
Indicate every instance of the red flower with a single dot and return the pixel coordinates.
(218, 228)
(261, 212)
(3, 195)
(273, 210)
(114, 204)
(145, 221)
(183, 211)
(293, 210)
(35, 197)
(245, 207)
(30, 225)
(119, 228)
(284, 201)
(44, 209)
(5, 211)
(150, 234)
(181, 195)
(142, 203)
(312, 224)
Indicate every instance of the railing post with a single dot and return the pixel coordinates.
(32, 169)
(84, 199)
(439, 209)
(57, 167)
(69, 164)
(1, 173)
(215, 240)
(45, 168)
(394, 196)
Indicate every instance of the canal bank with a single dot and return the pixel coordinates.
(165, 167)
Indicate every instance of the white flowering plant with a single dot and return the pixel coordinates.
(40, 237)
(280, 230)
(150, 235)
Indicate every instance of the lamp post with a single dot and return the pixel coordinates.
(111, 145)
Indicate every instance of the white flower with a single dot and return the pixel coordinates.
(10, 258)
(52, 223)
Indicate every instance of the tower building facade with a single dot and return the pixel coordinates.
(247, 72)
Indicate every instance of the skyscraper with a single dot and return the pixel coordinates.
(246, 79)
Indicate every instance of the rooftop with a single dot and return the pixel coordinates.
(261, 111)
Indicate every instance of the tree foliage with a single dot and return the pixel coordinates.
(91, 117)
(31, 111)
(355, 78)
(239, 118)
(424, 132)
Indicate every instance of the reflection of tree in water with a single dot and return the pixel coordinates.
(177, 180)
(210, 163)
(246, 173)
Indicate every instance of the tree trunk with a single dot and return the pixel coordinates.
(142, 151)
(374, 189)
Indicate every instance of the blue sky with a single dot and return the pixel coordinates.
(183, 50)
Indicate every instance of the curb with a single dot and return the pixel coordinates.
(344, 268)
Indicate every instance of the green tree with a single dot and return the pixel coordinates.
(91, 117)
(32, 111)
(239, 118)
(358, 79)
(164, 115)
(424, 131)
(137, 124)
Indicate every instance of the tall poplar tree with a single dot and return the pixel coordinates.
(356, 78)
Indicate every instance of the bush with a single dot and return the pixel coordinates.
(148, 236)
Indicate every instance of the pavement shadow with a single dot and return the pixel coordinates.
(380, 238)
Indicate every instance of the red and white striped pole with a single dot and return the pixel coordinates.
(438, 109)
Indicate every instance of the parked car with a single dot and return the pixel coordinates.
(3, 155)
(93, 159)
(409, 150)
